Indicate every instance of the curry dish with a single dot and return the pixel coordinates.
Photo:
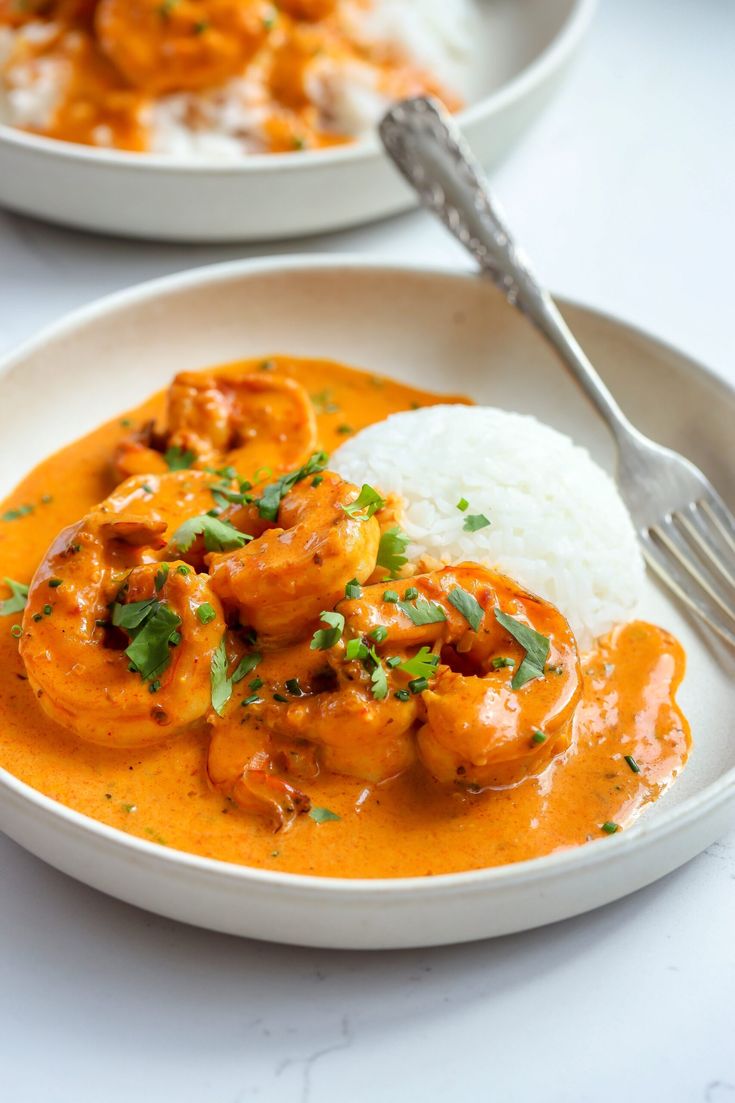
(224, 649)
(249, 75)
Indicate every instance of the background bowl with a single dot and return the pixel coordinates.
(438, 330)
(522, 52)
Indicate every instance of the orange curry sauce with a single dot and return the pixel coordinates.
(629, 740)
(112, 60)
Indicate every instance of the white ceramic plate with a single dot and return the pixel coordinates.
(523, 49)
(446, 332)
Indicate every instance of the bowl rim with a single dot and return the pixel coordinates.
(552, 57)
(529, 872)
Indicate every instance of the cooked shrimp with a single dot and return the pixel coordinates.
(478, 729)
(280, 583)
(113, 678)
(250, 422)
(180, 45)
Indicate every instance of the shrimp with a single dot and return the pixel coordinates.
(246, 422)
(280, 582)
(117, 678)
(476, 728)
(180, 45)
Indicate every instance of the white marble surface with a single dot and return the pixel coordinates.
(623, 194)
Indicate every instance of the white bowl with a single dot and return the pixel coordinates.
(443, 331)
(522, 52)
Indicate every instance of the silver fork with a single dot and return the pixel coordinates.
(686, 530)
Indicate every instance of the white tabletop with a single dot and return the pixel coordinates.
(623, 194)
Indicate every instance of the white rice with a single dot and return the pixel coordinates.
(557, 522)
(224, 123)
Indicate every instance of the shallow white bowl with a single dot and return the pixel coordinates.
(446, 332)
(522, 52)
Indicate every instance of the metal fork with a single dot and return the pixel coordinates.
(686, 530)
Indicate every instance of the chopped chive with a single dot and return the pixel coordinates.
(410, 594)
(379, 634)
(293, 687)
(393, 662)
(47, 610)
(418, 685)
(54, 583)
(402, 695)
(355, 649)
(205, 613)
(632, 763)
(609, 827)
(391, 596)
(501, 661)
(37, 617)
(353, 589)
(345, 430)
(255, 684)
(183, 569)
(16, 631)
(317, 480)
(253, 699)
(281, 698)
(538, 737)
(462, 504)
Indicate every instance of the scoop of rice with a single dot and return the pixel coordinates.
(557, 522)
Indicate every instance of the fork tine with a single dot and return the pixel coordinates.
(707, 539)
(666, 533)
(713, 506)
(678, 580)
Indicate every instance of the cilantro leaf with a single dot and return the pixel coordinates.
(270, 499)
(17, 600)
(325, 638)
(150, 652)
(323, 815)
(131, 616)
(378, 677)
(468, 606)
(220, 683)
(179, 459)
(423, 611)
(422, 665)
(393, 543)
(367, 503)
(475, 521)
(246, 664)
(218, 535)
(535, 645)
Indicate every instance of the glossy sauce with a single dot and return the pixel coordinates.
(407, 826)
(117, 58)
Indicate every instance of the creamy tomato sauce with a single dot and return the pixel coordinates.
(629, 738)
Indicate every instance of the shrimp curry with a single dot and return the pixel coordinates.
(212, 641)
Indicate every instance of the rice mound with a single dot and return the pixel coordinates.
(557, 522)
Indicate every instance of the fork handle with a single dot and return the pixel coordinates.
(427, 146)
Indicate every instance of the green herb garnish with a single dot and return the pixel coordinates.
(423, 611)
(219, 536)
(205, 613)
(324, 638)
(293, 687)
(502, 661)
(393, 543)
(270, 499)
(367, 503)
(533, 643)
(179, 459)
(402, 695)
(355, 649)
(378, 677)
(152, 626)
(422, 665)
(538, 737)
(245, 666)
(16, 603)
(161, 576)
(418, 685)
(220, 683)
(475, 521)
(323, 815)
(17, 514)
(632, 763)
(609, 827)
(353, 590)
(462, 505)
(379, 634)
(468, 606)
(391, 596)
